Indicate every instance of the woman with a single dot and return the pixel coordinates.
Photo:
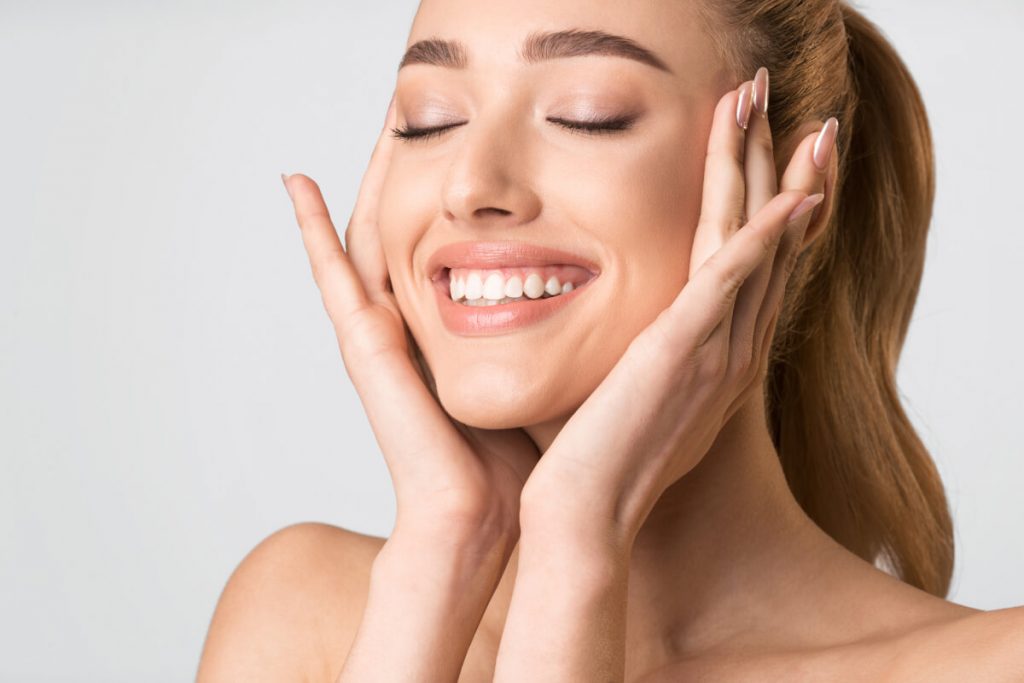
(625, 317)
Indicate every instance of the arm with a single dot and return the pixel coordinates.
(456, 487)
(291, 610)
(427, 597)
(567, 618)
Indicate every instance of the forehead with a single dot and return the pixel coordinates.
(494, 32)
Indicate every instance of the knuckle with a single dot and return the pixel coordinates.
(763, 144)
(713, 365)
(730, 280)
(743, 361)
(311, 215)
(729, 153)
(657, 342)
(769, 241)
(321, 264)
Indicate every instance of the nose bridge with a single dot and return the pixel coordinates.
(489, 177)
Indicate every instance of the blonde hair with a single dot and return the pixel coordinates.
(850, 454)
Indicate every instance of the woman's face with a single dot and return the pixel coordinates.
(618, 206)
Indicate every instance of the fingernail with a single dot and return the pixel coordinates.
(806, 205)
(743, 105)
(284, 179)
(761, 90)
(823, 145)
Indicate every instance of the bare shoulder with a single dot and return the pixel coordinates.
(971, 645)
(984, 645)
(290, 610)
(979, 646)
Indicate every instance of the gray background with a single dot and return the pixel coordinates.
(172, 391)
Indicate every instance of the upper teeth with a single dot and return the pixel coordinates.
(489, 287)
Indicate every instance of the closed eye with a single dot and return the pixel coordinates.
(595, 127)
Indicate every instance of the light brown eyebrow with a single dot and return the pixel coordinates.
(538, 46)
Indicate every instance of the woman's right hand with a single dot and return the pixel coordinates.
(449, 479)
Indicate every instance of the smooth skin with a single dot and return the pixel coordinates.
(654, 540)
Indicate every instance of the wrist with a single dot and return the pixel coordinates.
(582, 523)
(458, 523)
(423, 548)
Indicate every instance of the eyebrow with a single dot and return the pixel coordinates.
(538, 47)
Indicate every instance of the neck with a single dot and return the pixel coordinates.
(720, 542)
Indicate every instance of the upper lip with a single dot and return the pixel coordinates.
(473, 254)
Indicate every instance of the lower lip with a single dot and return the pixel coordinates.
(499, 318)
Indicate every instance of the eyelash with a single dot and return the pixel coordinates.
(590, 128)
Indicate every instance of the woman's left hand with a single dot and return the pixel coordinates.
(661, 407)
(658, 411)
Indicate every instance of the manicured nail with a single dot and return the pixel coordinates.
(823, 145)
(743, 105)
(284, 179)
(806, 205)
(761, 90)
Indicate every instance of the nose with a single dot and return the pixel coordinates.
(489, 180)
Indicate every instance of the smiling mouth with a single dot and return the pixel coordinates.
(496, 286)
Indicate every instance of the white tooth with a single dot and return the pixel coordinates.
(474, 287)
(494, 287)
(453, 288)
(566, 288)
(553, 286)
(460, 287)
(534, 286)
(514, 287)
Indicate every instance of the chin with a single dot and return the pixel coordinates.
(491, 396)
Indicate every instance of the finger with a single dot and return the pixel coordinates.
(761, 186)
(737, 345)
(759, 157)
(339, 284)
(404, 415)
(705, 304)
(362, 239)
(762, 370)
(752, 302)
(803, 174)
(722, 202)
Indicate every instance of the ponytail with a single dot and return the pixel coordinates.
(850, 454)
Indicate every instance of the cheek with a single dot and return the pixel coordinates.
(400, 219)
(403, 218)
(640, 200)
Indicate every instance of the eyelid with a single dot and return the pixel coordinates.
(592, 127)
(416, 133)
